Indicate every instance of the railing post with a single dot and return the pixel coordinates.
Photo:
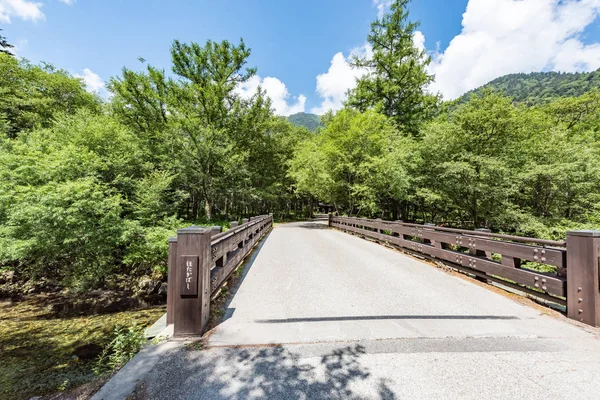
(192, 299)
(428, 241)
(329, 218)
(583, 276)
(396, 233)
(483, 253)
(171, 278)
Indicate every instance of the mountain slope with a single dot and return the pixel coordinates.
(309, 121)
(541, 87)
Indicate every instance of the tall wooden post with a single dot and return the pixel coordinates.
(171, 278)
(329, 219)
(583, 276)
(192, 299)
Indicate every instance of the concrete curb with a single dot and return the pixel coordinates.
(123, 382)
(156, 328)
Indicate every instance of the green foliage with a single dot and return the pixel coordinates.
(308, 121)
(71, 228)
(357, 162)
(541, 87)
(33, 96)
(221, 152)
(148, 250)
(63, 194)
(486, 163)
(126, 343)
(5, 46)
(87, 192)
(396, 72)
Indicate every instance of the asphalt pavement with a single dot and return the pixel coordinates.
(321, 314)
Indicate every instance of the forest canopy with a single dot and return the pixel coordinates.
(541, 87)
(93, 187)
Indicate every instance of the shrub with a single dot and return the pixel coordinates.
(66, 230)
(126, 343)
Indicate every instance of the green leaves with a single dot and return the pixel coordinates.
(511, 167)
(69, 229)
(5, 46)
(356, 162)
(88, 189)
(396, 73)
(63, 193)
(34, 95)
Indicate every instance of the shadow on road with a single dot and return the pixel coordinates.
(313, 225)
(383, 317)
(266, 373)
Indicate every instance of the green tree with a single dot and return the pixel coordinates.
(64, 197)
(224, 153)
(467, 159)
(357, 162)
(537, 88)
(5, 46)
(396, 72)
(35, 95)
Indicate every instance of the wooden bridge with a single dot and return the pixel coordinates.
(561, 273)
(413, 311)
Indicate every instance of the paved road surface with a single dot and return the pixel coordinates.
(323, 314)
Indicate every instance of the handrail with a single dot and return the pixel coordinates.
(199, 265)
(223, 235)
(473, 250)
(522, 239)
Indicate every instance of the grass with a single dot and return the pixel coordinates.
(36, 347)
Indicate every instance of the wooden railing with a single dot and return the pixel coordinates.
(200, 262)
(564, 272)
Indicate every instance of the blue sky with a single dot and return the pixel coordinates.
(295, 43)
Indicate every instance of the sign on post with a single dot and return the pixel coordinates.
(189, 276)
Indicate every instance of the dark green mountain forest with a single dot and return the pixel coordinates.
(541, 87)
(309, 121)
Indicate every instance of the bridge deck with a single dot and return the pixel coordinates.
(358, 320)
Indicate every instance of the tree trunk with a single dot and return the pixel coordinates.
(194, 206)
(208, 208)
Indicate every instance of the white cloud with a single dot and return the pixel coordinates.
(419, 40)
(93, 82)
(382, 7)
(281, 101)
(26, 10)
(509, 36)
(334, 84)
(23, 9)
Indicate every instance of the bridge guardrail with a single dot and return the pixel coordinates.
(199, 264)
(572, 276)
